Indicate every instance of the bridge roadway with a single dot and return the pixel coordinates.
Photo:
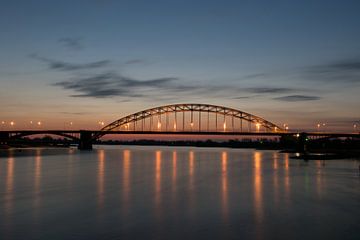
(85, 138)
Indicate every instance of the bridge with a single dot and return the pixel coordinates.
(179, 119)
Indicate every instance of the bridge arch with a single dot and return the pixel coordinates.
(190, 108)
(31, 133)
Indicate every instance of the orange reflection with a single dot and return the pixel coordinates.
(258, 186)
(191, 182)
(276, 177)
(157, 177)
(174, 165)
(286, 161)
(287, 178)
(126, 175)
(224, 184)
(100, 178)
(37, 177)
(9, 185)
(319, 180)
(275, 160)
(191, 163)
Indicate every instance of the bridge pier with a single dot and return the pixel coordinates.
(4, 137)
(85, 142)
(302, 139)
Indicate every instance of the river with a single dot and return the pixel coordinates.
(134, 192)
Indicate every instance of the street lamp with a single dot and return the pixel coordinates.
(257, 127)
(355, 126)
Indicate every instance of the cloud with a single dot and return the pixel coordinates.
(71, 43)
(345, 65)
(135, 61)
(107, 85)
(269, 90)
(297, 98)
(112, 84)
(342, 71)
(66, 66)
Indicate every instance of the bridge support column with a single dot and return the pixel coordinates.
(85, 140)
(302, 139)
(4, 137)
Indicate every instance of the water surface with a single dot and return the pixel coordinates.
(177, 193)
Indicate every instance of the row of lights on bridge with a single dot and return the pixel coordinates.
(12, 123)
(39, 123)
(127, 126)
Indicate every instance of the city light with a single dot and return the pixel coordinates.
(174, 126)
(39, 123)
(258, 127)
(224, 126)
(12, 123)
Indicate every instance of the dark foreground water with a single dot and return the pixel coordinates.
(177, 193)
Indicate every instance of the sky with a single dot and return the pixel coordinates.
(294, 62)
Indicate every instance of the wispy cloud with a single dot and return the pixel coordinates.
(297, 98)
(106, 85)
(71, 43)
(340, 72)
(269, 90)
(135, 61)
(67, 66)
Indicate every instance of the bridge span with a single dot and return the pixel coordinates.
(86, 138)
(178, 119)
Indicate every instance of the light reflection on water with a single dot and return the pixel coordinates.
(177, 193)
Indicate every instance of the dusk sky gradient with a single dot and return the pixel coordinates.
(295, 62)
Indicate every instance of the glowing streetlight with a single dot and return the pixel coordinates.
(191, 125)
(257, 127)
(355, 126)
(159, 125)
(175, 126)
(12, 123)
(224, 126)
(287, 128)
(318, 126)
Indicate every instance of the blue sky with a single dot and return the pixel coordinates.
(83, 61)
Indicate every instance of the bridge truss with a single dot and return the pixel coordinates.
(191, 117)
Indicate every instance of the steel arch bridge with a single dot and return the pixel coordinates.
(130, 122)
